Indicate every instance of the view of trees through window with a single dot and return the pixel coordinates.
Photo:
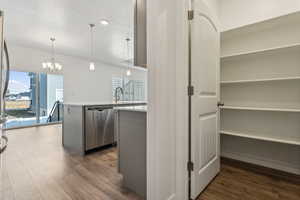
(31, 97)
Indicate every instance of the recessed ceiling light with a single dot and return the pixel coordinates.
(104, 22)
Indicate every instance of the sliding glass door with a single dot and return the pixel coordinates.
(20, 99)
(51, 98)
(33, 98)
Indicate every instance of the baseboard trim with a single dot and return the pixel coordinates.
(266, 162)
(274, 173)
(34, 125)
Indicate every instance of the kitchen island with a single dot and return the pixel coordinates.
(88, 126)
(130, 128)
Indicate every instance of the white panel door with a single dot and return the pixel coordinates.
(205, 51)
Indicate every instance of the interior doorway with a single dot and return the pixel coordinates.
(204, 95)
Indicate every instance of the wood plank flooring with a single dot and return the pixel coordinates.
(238, 184)
(37, 167)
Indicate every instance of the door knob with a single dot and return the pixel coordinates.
(220, 104)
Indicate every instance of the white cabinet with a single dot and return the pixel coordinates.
(260, 86)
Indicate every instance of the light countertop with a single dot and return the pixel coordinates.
(133, 108)
(121, 103)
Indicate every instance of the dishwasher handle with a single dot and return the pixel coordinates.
(100, 108)
(95, 109)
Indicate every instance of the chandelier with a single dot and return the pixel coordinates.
(52, 65)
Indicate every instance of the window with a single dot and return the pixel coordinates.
(133, 90)
(31, 97)
(20, 99)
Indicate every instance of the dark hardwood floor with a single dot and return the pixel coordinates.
(37, 167)
(234, 183)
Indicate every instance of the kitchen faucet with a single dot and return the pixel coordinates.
(117, 95)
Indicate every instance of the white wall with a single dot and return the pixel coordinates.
(161, 130)
(80, 84)
(167, 137)
(214, 5)
(235, 13)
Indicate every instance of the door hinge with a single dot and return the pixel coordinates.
(220, 104)
(190, 166)
(190, 90)
(190, 15)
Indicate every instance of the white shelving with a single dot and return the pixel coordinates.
(269, 35)
(249, 28)
(261, 80)
(268, 67)
(260, 109)
(261, 51)
(271, 94)
(260, 87)
(251, 136)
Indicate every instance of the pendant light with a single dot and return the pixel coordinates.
(128, 71)
(104, 22)
(52, 65)
(92, 64)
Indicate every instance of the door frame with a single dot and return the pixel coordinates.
(167, 71)
(190, 165)
(159, 70)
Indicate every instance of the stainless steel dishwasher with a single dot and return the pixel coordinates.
(99, 127)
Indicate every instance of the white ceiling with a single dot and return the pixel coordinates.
(32, 22)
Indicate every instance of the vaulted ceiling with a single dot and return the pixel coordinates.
(32, 22)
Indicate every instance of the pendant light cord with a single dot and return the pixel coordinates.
(92, 39)
(127, 40)
(53, 51)
(128, 54)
